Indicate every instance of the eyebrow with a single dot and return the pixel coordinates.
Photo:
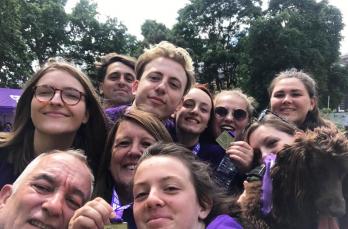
(50, 179)
(163, 179)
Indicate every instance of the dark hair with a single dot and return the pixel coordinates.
(18, 144)
(313, 118)
(206, 190)
(110, 58)
(148, 122)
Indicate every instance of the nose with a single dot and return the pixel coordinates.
(195, 109)
(122, 81)
(229, 116)
(136, 150)
(161, 87)
(154, 199)
(56, 99)
(53, 204)
(287, 99)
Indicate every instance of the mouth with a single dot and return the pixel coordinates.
(192, 120)
(227, 128)
(39, 224)
(287, 109)
(55, 114)
(129, 166)
(156, 100)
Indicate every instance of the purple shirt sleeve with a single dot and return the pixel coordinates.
(224, 222)
(266, 198)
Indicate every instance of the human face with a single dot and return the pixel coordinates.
(162, 190)
(55, 117)
(161, 87)
(268, 140)
(290, 99)
(48, 196)
(193, 115)
(117, 84)
(130, 142)
(230, 102)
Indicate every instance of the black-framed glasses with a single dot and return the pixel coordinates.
(268, 111)
(69, 96)
(238, 114)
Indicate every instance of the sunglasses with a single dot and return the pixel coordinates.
(237, 114)
(267, 111)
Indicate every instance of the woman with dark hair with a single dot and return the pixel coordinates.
(58, 109)
(294, 96)
(172, 189)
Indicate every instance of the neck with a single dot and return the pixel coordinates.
(187, 139)
(124, 194)
(45, 142)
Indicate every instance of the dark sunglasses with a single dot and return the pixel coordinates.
(238, 114)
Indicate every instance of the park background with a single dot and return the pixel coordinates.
(234, 43)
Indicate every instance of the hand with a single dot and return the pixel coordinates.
(241, 154)
(94, 214)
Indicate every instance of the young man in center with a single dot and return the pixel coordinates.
(164, 75)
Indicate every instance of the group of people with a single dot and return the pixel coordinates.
(152, 149)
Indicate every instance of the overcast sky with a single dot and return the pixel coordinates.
(133, 13)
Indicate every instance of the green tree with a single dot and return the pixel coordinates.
(14, 60)
(212, 29)
(302, 34)
(154, 32)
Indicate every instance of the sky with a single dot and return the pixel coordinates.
(133, 13)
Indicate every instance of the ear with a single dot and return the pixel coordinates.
(205, 210)
(101, 88)
(86, 118)
(299, 134)
(5, 194)
(135, 87)
(313, 103)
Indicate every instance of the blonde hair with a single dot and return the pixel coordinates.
(170, 51)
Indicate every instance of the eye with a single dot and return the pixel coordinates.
(114, 76)
(140, 196)
(123, 143)
(296, 94)
(270, 143)
(146, 144)
(171, 189)
(154, 77)
(42, 188)
(129, 78)
(204, 110)
(278, 95)
(73, 204)
(189, 103)
(175, 84)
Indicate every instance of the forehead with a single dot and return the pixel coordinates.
(158, 168)
(65, 171)
(289, 84)
(129, 128)
(230, 100)
(60, 79)
(198, 95)
(167, 66)
(119, 66)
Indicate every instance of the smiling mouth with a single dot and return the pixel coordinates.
(38, 224)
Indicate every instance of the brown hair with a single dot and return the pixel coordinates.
(170, 51)
(90, 137)
(110, 58)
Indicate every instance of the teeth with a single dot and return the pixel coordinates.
(192, 120)
(39, 224)
(131, 167)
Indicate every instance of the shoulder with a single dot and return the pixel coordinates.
(224, 221)
(115, 112)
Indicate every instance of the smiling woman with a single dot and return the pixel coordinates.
(54, 112)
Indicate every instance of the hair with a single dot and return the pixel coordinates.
(145, 120)
(269, 120)
(208, 194)
(110, 58)
(313, 118)
(170, 51)
(250, 101)
(19, 143)
(78, 154)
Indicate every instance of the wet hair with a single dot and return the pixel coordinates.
(18, 144)
(208, 194)
(145, 120)
(313, 118)
(78, 154)
(250, 101)
(110, 58)
(167, 50)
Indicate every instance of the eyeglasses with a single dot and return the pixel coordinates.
(238, 114)
(267, 111)
(69, 96)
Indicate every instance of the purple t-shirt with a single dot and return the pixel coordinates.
(224, 222)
